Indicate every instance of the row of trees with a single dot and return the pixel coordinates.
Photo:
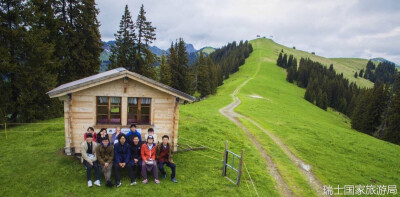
(374, 111)
(44, 44)
(231, 56)
(132, 51)
(385, 72)
(213, 69)
(52, 42)
(207, 73)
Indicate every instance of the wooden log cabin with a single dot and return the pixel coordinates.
(118, 98)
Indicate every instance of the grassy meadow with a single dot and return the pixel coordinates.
(32, 162)
(324, 139)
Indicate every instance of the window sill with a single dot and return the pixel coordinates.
(99, 126)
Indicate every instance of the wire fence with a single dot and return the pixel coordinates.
(17, 127)
(221, 160)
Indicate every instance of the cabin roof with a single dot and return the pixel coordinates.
(117, 73)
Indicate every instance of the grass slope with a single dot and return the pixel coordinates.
(36, 165)
(207, 50)
(324, 139)
(347, 66)
(31, 161)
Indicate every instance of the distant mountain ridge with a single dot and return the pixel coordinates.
(192, 53)
(158, 51)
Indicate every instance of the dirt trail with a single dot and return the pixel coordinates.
(228, 112)
(282, 187)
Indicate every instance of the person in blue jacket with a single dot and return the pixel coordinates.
(132, 133)
(122, 159)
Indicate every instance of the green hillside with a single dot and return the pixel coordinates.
(325, 140)
(347, 66)
(32, 161)
(207, 50)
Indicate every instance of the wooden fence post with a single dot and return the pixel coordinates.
(240, 169)
(5, 129)
(225, 158)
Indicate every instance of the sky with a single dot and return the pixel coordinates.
(330, 28)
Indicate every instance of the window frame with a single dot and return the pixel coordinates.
(109, 110)
(139, 111)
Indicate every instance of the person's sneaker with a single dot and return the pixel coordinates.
(144, 181)
(174, 180)
(97, 182)
(156, 181)
(119, 184)
(164, 176)
(109, 184)
(89, 183)
(133, 183)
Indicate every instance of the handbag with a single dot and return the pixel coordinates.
(90, 156)
(150, 162)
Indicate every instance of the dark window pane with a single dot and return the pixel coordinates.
(102, 119)
(144, 119)
(102, 110)
(115, 119)
(145, 110)
(132, 119)
(132, 109)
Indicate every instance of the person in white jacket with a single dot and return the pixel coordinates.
(88, 152)
(150, 131)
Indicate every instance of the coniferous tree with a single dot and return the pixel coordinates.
(212, 72)
(280, 59)
(28, 67)
(165, 71)
(203, 78)
(172, 60)
(361, 73)
(82, 39)
(185, 75)
(290, 61)
(123, 54)
(392, 133)
(284, 61)
(145, 60)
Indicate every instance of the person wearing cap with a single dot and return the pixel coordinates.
(132, 133)
(89, 159)
(105, 156)
(91, 131)
(136, 157)
(122, 159)
(164, 156)
(150, 131)
(149, 162)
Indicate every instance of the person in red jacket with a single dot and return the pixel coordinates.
(164, 156)
(149, 163)
(91, 131)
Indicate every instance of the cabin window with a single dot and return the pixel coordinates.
(139, 110)
(108, 110)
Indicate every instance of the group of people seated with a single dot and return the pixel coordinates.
(101, 152)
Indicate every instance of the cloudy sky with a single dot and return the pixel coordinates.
(336, 28)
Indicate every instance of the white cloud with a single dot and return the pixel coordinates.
(340, 28)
